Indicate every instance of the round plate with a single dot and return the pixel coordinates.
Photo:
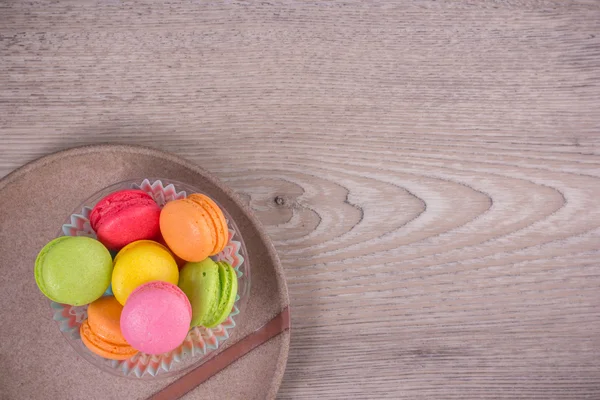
(37, 362)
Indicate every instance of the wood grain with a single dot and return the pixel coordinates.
(428, 170)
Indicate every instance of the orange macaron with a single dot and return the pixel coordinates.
(101, 331)
(194, 228)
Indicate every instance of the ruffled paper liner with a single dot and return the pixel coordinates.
(199, 342)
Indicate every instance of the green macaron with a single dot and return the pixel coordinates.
(229, 286)
(74, 270)
(211, 288)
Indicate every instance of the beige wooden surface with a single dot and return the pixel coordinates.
(428, 170)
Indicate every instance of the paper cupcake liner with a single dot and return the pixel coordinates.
(199, 342)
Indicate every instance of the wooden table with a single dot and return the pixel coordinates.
(428, 170)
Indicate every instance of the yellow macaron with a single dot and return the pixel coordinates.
(142, 262)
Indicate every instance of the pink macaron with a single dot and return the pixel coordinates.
(156, 317)
(125, 216)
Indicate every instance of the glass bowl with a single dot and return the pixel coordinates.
(200, 341)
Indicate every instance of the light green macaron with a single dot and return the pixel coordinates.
(211, 288)
(73, 270)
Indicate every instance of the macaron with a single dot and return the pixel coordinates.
(74, 270)
(125, 216)
(194, 228)
(141, 262)
(212, 289)
(156, 317)
(101, 331)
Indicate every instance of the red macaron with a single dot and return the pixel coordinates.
(125, 216)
